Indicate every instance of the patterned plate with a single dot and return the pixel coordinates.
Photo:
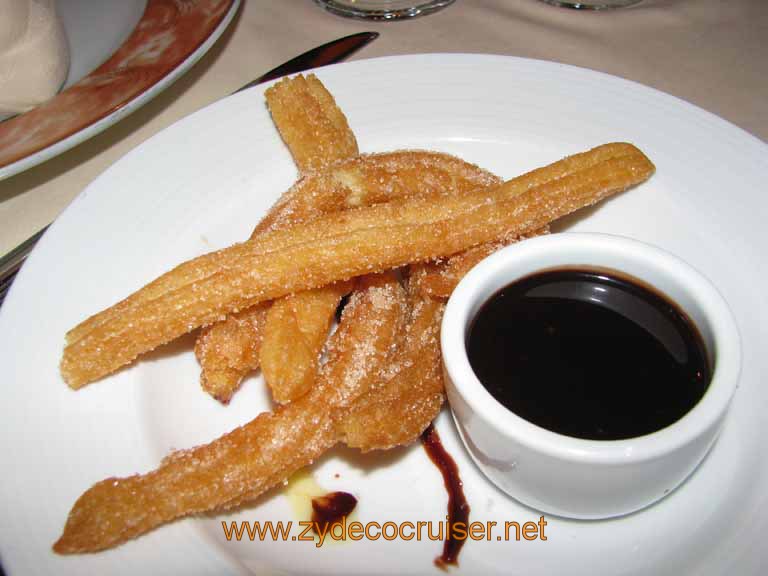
(170, 37)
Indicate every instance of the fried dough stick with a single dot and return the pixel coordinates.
(317, 134)
(363, 181)
(316, 195)
(311, 124)
(338, 247)
(295, 332)
(439, 279)
(366, 180)
(227, 351)
(296, 327)
(246, 462)
(375, 179)
(412, 393)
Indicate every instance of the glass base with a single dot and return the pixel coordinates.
(592, 4)
(383, 9)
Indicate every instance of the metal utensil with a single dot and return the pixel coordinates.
(328, 53)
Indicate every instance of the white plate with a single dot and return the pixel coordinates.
(123, 54)
(203, 183)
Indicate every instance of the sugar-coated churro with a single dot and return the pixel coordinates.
(411, 393)
(246, 462)
(294, 334)
(390, 175)
(313, 127)
(229, 350)
(317, 134)
(438, 279)
(374, 179)
(338, 247)
(363, 181)
(292, 343)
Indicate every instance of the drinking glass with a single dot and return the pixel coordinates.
(592, 4)
(383, 9)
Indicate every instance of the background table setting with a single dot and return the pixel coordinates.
(169, 172)
(707, 52)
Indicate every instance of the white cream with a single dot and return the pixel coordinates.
(34, 54)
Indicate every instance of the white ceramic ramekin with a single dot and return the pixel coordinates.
(573, 477)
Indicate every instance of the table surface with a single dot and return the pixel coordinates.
(711, 53)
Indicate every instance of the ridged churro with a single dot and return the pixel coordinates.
(228, 351)
(411, 393)
(438, 279)
(246, 462)
(288, 368)
(296, 326)
(389, 175)
(313, 127)
(363, 181)
(377, 178)
(338, 247)
(374, 179)
(285, 338)
(294, 335)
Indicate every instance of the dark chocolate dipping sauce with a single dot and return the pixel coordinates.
(458, 507)
(588, 354)
(330, 509)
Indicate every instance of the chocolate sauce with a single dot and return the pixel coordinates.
(588, 354)
(458, 508)
(331, 508)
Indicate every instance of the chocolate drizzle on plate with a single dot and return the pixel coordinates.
(458, 507)
(332, 508)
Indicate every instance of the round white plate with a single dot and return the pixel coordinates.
(204, 183)
(123, 53)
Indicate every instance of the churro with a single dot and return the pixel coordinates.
(389, 175)
(288, 368)
(363, 181)
(246, 462)
(338, 247)
(287, 337)
(438, 279)
(374, 179)
(411, 394)
(228, 351)
(294, 334)
(377, 178)
(313, 127)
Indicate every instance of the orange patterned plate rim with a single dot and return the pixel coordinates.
(171, 36)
